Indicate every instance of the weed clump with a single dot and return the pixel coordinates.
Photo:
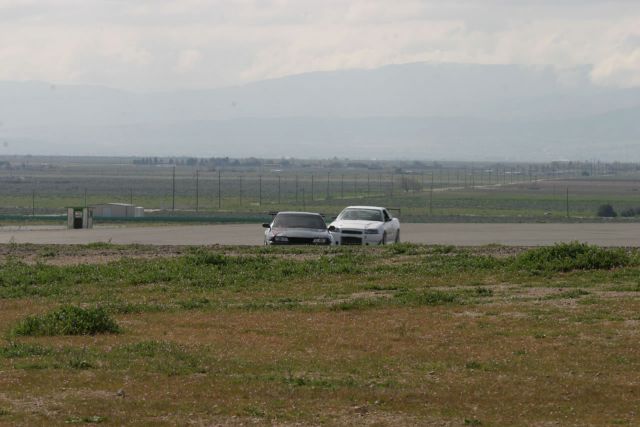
(434, 297)
(572, 256)
(68, 320)
(203, 257)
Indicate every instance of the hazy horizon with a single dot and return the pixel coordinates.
(413, 79)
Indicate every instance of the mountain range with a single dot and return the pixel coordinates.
(412, 111)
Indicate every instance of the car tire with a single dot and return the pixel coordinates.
(398, 237)
(384, 239)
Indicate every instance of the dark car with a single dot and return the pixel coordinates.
(297, 228)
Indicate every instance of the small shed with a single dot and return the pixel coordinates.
(78, 218)
(118, 210)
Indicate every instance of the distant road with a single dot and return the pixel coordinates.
(251, 234)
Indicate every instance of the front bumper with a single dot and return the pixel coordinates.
(299, 241)
(356, 239)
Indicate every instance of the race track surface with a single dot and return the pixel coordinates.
(252, 234)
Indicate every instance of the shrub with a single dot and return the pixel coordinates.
(606, 211)
(630, 212)
(68, 320)
(572, 256)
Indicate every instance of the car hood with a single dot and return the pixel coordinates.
(356, 224)
(298, 232)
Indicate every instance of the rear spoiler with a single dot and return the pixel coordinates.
(274, 213)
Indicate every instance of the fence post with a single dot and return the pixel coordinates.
(355, 185)
(279, 188)
(173, 190)
(33, 203)
(219, 189)
(304, 205)
(259, 190)
(567, 202)
(431, 196)
(296, 189)
(328, 185)
(342, 187)
(312, 189)
(197, 190)
(240, 179)
(368, 185)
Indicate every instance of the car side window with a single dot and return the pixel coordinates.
(386, 216)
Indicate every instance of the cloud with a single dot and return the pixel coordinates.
(188, 60)
(163, 44)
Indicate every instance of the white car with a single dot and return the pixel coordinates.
(365, 225)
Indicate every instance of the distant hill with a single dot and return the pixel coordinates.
(427, 111)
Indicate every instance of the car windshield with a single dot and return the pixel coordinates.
(299, 221)
(362, 214)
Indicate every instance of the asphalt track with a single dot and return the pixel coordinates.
(252, 234)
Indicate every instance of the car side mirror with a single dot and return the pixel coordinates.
(266, 225)
(331, 228)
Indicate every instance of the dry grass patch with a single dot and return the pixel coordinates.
(450, 338)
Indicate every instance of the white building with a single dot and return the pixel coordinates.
(111, 210)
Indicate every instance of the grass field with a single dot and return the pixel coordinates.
(398, 335)
(472, 191)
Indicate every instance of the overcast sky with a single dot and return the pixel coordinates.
(167, 45)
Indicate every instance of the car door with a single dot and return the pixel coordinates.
(389, 226)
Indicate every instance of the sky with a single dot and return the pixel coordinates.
(160, 45)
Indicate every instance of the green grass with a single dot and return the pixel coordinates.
(67, 320)
(574, 256)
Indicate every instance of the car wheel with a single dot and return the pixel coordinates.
(398, 237)
(384, 239)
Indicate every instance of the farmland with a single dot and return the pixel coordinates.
(424, 191)
(399, 335)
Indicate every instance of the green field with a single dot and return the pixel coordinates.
(422, 191)
(398, 335)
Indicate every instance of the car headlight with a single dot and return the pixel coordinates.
(320, 240)
(372, 231)
(280, 239)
